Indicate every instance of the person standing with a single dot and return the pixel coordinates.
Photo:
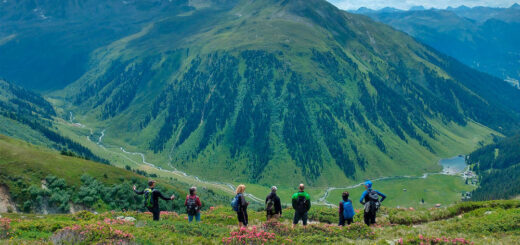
(370, 199)
(239, 205)
(301, 202)
(346, 210)
(273, 205)
(151, 198)
(193, 205)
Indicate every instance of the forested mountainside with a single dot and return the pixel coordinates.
(288, 91)
(498, 166)
(41, 180)
(27, 115)
(46, 44)
(481, 37)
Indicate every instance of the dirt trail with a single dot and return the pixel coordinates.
(221, 185)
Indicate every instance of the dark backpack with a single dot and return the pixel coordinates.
(373, 203)
(191, 206)
(301, 204)
(234, 203)
(269, 206)
(148, 198)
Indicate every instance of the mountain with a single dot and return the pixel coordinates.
(481, 37)
(286, 91)
(45, 44)
(498, 166)
(29, 116)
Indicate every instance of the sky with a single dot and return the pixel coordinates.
(406, 4)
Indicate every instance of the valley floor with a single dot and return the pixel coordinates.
(492, 222)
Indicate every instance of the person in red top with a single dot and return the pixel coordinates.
(193, 205)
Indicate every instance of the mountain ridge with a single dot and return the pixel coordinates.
(310, 90)
(482, 38)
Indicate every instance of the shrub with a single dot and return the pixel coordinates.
(84, 215)
(423, 240)
(92, 233)
(5, 228)
(405, 217)
(251, 236)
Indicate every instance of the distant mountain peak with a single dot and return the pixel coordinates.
(416, 8)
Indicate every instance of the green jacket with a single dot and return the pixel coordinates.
(295, 200)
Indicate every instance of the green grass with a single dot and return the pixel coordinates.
(442, 189)
(23, 164)
(494, 222)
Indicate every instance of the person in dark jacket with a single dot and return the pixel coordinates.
(370, 199)
(301, 203)
(242, 206)
(346, 210)
(193, 205)
(273, 205)
(156, 194)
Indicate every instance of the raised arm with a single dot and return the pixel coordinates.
(138, 192)
(162, 196)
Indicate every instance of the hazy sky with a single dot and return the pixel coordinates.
(406, 4)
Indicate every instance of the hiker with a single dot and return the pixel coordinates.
(273, 206)
(370, 199)
(239, 205)
(301, 202)
(346, 210)
(151, 198)
(193, 205)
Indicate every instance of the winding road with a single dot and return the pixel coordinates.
(99, 142)
(227, 186)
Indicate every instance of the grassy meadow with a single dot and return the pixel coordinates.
(493, 222)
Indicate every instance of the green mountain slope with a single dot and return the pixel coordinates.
(45, 44)
(287, 91)
(483, 38)
(41, 180)
(498, 166)
(29, 116)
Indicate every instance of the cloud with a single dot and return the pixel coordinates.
(406, 4)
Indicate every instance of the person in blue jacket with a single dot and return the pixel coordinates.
(346, 210)
(370, 199)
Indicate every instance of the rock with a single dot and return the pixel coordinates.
(120, 217)
(130, 219)
(460, 216)
(438, 205)
(96, 213)
(488, 212)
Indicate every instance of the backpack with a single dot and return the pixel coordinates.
(301, 204)
(373, 203)
(191, 205)
(269, 206)
(148, 198)
(373, 196)
(234, 203)
(348, 210)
